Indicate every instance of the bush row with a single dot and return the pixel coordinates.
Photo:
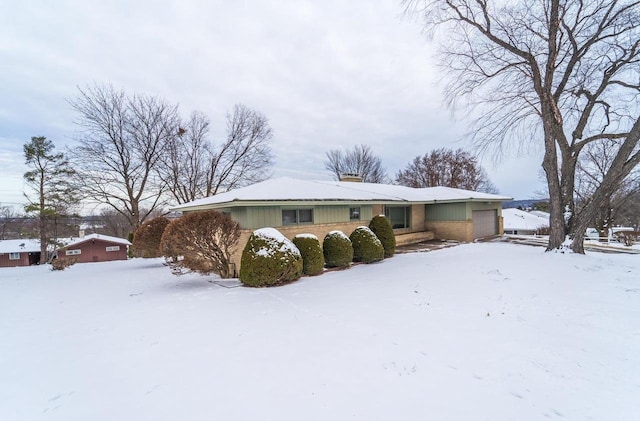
(270, 259)
(204, 241)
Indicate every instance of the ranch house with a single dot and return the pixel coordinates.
(317, 207)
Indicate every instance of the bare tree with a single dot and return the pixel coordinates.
(111, 222)
(121, 143)
(185, 158)
(245, 157)
(51, 191)
(445, 167)
(358, 161)
(195, 167)
(592, 167)
(10, 223)
(629, 214)
(560, 72)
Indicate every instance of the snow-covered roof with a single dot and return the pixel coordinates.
(291, 190)
(541, 214)
(73, 241)
(27, 245)
(516, 219)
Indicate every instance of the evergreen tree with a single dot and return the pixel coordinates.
(51, 191)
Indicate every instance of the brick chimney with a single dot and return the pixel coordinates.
(351, 178)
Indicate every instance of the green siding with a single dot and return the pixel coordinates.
(329, 214)
(263, 216)
(253, 217)
(366, 213)
(447, 212)
(485, 206)
(238, 214)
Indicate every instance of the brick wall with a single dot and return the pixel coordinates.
(457, 230)
(451, 230)
(414, 237)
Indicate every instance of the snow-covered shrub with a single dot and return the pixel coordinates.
(146, 239)
(381, 227)
(367, 247)
(269, 259)
(337, 249)
(311, 251)
(201, 242)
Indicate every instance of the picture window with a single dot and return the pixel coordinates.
(297, 216)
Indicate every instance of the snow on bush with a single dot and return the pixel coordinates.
(270, 259)
(337, 249)
(367, 248)
(311, 251)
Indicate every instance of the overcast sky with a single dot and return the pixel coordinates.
(328, 74)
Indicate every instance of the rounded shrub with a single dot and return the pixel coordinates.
(337, 249)
(381, 227)
(269, 259)
(367, 248)
(201, 241)
(311, 251)
(146, 239)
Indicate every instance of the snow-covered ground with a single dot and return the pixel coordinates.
(489, 331)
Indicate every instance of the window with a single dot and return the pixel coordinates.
(289, 216)
(399, 216)
(297, 216)
(354, 214)
(14, 256)
(113, 248)
(73, 252)
(305, 216)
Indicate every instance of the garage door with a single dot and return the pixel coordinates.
(485, 223)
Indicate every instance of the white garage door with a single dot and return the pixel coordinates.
(485, 223)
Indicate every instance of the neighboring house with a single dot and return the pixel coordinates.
(22, 252)
(519, 222)
(94, 248)
(318, 207)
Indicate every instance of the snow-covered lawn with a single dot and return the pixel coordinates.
(488, 331)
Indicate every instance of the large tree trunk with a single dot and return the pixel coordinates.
(567, 185)
(557, 227)
(42, 222)
(43, 238)
(557, 231)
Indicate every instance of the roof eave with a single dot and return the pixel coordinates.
(294, 202)
(291, 202)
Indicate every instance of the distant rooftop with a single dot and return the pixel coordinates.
(28, 245)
